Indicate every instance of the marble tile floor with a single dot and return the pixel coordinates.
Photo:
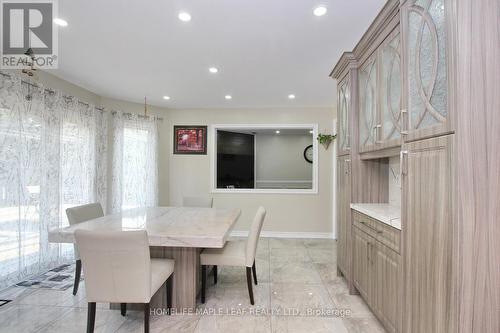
(298, 291)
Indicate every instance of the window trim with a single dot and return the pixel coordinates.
(213, 158)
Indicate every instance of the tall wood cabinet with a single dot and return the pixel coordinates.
(424, 85)
(344, 211)
(427, 234)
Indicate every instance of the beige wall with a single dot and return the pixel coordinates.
(190, 175)
(281, 157)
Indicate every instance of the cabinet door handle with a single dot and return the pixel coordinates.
(368, 250)
(402, 160)
(346, 166)
(375, 129)
(370, 253)
(370, 227)
(404, 124)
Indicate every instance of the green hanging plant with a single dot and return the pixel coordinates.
(326, 139)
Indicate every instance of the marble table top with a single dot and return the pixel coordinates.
(166, 226)
(384, 213)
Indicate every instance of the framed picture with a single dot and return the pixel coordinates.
(190, 140)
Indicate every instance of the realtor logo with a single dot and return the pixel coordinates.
(29, 38)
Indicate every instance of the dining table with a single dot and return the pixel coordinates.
(178, 233)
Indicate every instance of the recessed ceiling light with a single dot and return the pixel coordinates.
(184, 16)
(213, 70)
(320, 11)
(291, 96)
(60, 22)
(228, 97)
(166, 98)
(310, 132)
(277, 132)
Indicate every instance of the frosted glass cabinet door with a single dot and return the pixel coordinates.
(390, 89)
(368, 104)
(427, 79)
(343, 107)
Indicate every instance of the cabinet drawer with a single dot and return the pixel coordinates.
(387, 235)
(366, 224)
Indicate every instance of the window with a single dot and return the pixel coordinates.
(135, 156)
(264, 158)
(52, 156)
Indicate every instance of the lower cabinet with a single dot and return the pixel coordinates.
(361, 268)
(387, 287)
(376, 275)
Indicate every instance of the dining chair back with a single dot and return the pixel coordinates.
(119, 269)
(253, 236)
(117, 265)
(84, 213)
(77, 215)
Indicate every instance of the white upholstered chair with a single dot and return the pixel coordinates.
(235, 253)
(119, 269)
(197, 202)
(77, 215)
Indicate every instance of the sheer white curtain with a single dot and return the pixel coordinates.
(135, 161)
(52, 156)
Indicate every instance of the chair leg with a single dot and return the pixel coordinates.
(215, 274)
(254, 270)
(146, 317)
(203, 282)
(123, 308)
(91, 317)
(78, 272)
(169, 294)
(249, 283)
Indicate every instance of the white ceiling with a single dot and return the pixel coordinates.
(264, 49)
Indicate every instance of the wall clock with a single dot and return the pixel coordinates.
(308, 153)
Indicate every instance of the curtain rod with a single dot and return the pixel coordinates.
(51, 91)
(136, 114)
(66, 96)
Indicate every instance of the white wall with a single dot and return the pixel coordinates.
(394, 181)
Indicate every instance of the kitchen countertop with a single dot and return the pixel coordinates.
(384, 213)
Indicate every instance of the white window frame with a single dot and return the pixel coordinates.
(213, 158)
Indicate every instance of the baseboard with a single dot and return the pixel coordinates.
(279, 234)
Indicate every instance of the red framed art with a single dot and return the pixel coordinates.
(191, 140)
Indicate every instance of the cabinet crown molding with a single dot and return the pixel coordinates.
(387, 18)
(346, 62)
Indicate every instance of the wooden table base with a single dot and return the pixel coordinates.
(186, 283)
